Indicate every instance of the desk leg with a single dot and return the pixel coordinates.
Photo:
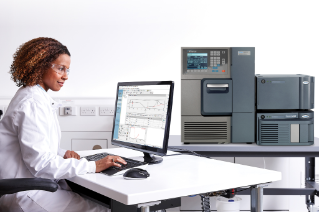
(310, 177)
(256, 198)
(260, 199)
(145, 207)
(253, 199)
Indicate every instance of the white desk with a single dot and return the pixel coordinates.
(176, 176)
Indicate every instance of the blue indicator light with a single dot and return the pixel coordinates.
(215, 67)
(213, 70)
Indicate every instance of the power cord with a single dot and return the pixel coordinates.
(205, 203)
(243, 189)
(186, 150)
(172, 155)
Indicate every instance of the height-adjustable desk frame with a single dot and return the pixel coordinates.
(253, 150)
(168, 182)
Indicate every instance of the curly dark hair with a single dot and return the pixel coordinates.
(33, 58)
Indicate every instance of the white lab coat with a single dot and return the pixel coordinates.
(30, 148)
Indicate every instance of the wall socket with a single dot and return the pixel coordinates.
(68, 111)
(106, 111)
(88, 111)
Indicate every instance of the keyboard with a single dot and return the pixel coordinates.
(113, 170)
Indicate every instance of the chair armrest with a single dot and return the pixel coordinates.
(10, 186)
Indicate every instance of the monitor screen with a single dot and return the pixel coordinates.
(142, 116)
(196, 60)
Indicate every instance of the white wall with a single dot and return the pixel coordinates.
(139, 40)
(127, 40)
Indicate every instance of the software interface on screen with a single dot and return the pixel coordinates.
(196, 60)
(141, 114)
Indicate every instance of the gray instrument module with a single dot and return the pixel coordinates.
(288, 92)
(283, 109)
(223, 101)
(217, 95)
(293, 128)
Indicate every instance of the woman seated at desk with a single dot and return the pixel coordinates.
(30, 133)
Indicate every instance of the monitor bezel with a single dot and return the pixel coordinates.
(143, 148)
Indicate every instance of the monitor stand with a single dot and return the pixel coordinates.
(151, 159)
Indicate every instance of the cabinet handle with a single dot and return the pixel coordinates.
(217, 85)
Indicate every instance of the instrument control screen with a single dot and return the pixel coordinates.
(205, 61)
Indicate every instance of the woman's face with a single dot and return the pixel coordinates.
(54, 78)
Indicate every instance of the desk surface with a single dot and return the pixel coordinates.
(247, 150)
(176, 176)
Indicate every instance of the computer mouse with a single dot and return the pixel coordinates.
(136, 174)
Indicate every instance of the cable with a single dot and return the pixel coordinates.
(264, 163)
(172, 155)
(186, 150)
(243, 189)
(205, 203)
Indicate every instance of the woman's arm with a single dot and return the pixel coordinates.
(31, 121)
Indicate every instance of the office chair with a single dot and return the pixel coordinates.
(10, 186)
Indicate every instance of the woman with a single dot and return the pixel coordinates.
(30, 133)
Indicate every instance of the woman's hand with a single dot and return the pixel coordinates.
(71, 154)
(109, 161)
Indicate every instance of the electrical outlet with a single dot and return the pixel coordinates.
(88, 111)
(68, 111)
(106, 111)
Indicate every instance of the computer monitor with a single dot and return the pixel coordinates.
(142, 117)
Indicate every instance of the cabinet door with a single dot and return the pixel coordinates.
(217, 97)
